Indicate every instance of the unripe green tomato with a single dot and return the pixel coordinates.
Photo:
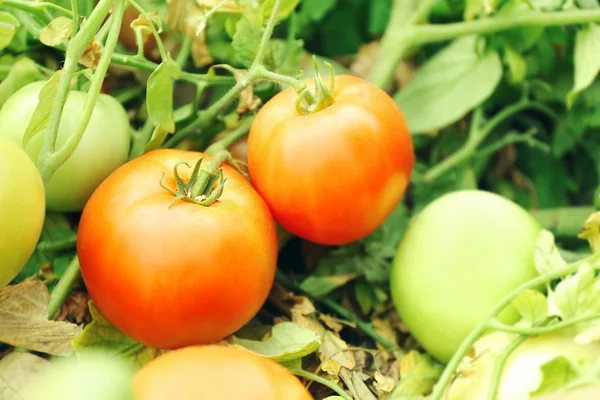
(459, 256)
(22, 209)
(102, 149)
(521, 374)
(93, 376)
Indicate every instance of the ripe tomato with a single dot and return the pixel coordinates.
(173, 277)
(103, 148)
(521, 374)
(459, 256)
(216, 372)
(22, 209)
(331, 177)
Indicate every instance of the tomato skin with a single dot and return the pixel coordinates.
(458, 258)
(182, 276)
(334, 176)
(103, 147)
(216, 372)
(22, 209)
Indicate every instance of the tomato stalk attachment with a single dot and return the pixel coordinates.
(323, 97)
(205, 185)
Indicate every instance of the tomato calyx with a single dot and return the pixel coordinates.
(323, 98)
(205, 184)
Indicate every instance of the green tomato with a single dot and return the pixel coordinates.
(521, 374)
(92, 376)
(103, 148)
(459, 256)
(22, 209)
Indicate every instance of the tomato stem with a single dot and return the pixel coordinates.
(159, 43)
(499, 364)
(200, 188)
(324, 97)
(63, 287)
(48, 162)
(486, 323)
(237, 133)
(325, 382)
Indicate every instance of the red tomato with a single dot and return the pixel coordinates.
(217, 373)
(173, 277)
(333, 176)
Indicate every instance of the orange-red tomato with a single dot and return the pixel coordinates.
(173, 277)
(216, 372)
(333, 176)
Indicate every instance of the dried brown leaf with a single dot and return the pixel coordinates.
(142, 25)
(184, 16)
(383, 384)
(16, 370)
(24, 320)
(91, 56)
(331, 322)
(75, 309)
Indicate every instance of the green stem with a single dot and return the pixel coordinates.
(31, 24)
(126, 95)
(63, 287)
(67, 243)
(159, 43)
(63, 154)
(132, 61)
(436, 33)
(103, 31)
(75, 22)
(76, 47)
(266, 36)
(563, 222)
(399, 38)
(36, 8)
(184, 53)
(540, 330)
(208, 172)
(231, 137)
(140, 139)
(325, 382)
(477, 135)
(501, 360)
(512, 138)
(421, 14)
(484, 324)
(262, 73)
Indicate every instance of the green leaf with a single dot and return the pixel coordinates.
(316, 10)
(384, 241)
(449, 85)
(101, 335)
(246, 41)
(569, 131)
(532, 306)
(379, 15)
(286, 8)
(56, 32)
(318, 286)
(24, 320)
(588, 4)
(418, 375)
(517, 66)
(159, 98)
(23, 72)
(158, 137)
(586, 58)
(8, 29)
(547, 258)
(284, 57)
(578, 294)
(41, 114)
(289, 341)
(556, 374)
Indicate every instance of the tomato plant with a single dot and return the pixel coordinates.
(216, 372)
(104, 146)
(331, 176)
(174, 273)
(522, 373)
(459, 256)
(22, 209)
